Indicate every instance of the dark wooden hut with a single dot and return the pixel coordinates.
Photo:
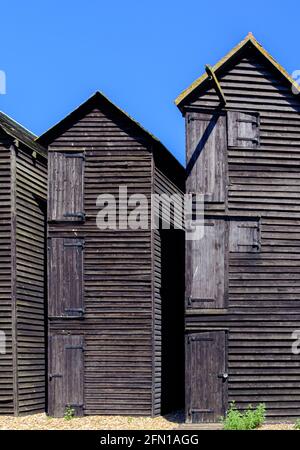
(243, 279)
(23, 187)
(115, 297)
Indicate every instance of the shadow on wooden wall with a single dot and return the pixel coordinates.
(172, 293)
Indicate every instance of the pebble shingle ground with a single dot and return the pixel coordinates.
(168, 422)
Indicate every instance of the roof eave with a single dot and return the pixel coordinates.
(34, 146)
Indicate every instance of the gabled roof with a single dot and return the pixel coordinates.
(99, 99)
(248, 41)
(16, 131)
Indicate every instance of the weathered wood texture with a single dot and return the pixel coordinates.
(65, 358)
(120, 323)
(66, 268)
(31, 194)
(22, 243)
(117, 324)
(6, 366)
(207, 267)
(208, 153)
(66, 203)
(205, 393)
(264, 278)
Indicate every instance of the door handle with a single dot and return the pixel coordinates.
(224, 376)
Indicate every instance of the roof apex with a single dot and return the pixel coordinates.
(95, 99)
(97, 96)
(248, 39)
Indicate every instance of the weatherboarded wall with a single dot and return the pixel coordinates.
(22, 263)
(119, 321)
(262, 184)
(6, 367)
(31, 192)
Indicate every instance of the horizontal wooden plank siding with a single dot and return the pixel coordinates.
(31, 192)
(264, 295)
(117, 320)
(6, 361)
(157, 322)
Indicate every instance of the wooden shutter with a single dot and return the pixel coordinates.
(243, 129)
(206, 156)
(66, 374)
(206, 376)
(65, 289)
(56, 404)
(74, 373)
(244, 236)
(66, 187)
(207, 267)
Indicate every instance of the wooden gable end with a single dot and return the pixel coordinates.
(245, 80)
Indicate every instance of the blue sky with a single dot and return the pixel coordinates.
(141, 54)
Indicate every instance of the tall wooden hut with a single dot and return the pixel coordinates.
(115, 297)
(243, 279)
(23, 187)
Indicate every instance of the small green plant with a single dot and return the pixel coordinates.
(297, 425)
(69, 413)
(247, 420)
(130, 419)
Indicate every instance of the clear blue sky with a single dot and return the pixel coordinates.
(141, 54)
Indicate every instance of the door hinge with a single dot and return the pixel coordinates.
(254, 122)
(54, 375)
(75, 405)
(74, 347)
(74, 244)
(79, 215)
(190, 300)
(198, 338)
(198, 410)
(79, 310)
(75, 155)
(248, 139)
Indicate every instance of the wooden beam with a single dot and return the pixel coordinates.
(212, 76)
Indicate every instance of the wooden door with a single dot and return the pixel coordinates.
(56, 406)
(65, 281)
(66, 375)
(206, 376)
(66, 187)
(206, 267)
(206, 156)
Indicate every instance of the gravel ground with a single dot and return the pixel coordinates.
(278, 426)
(43, 422)
(168, 422)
